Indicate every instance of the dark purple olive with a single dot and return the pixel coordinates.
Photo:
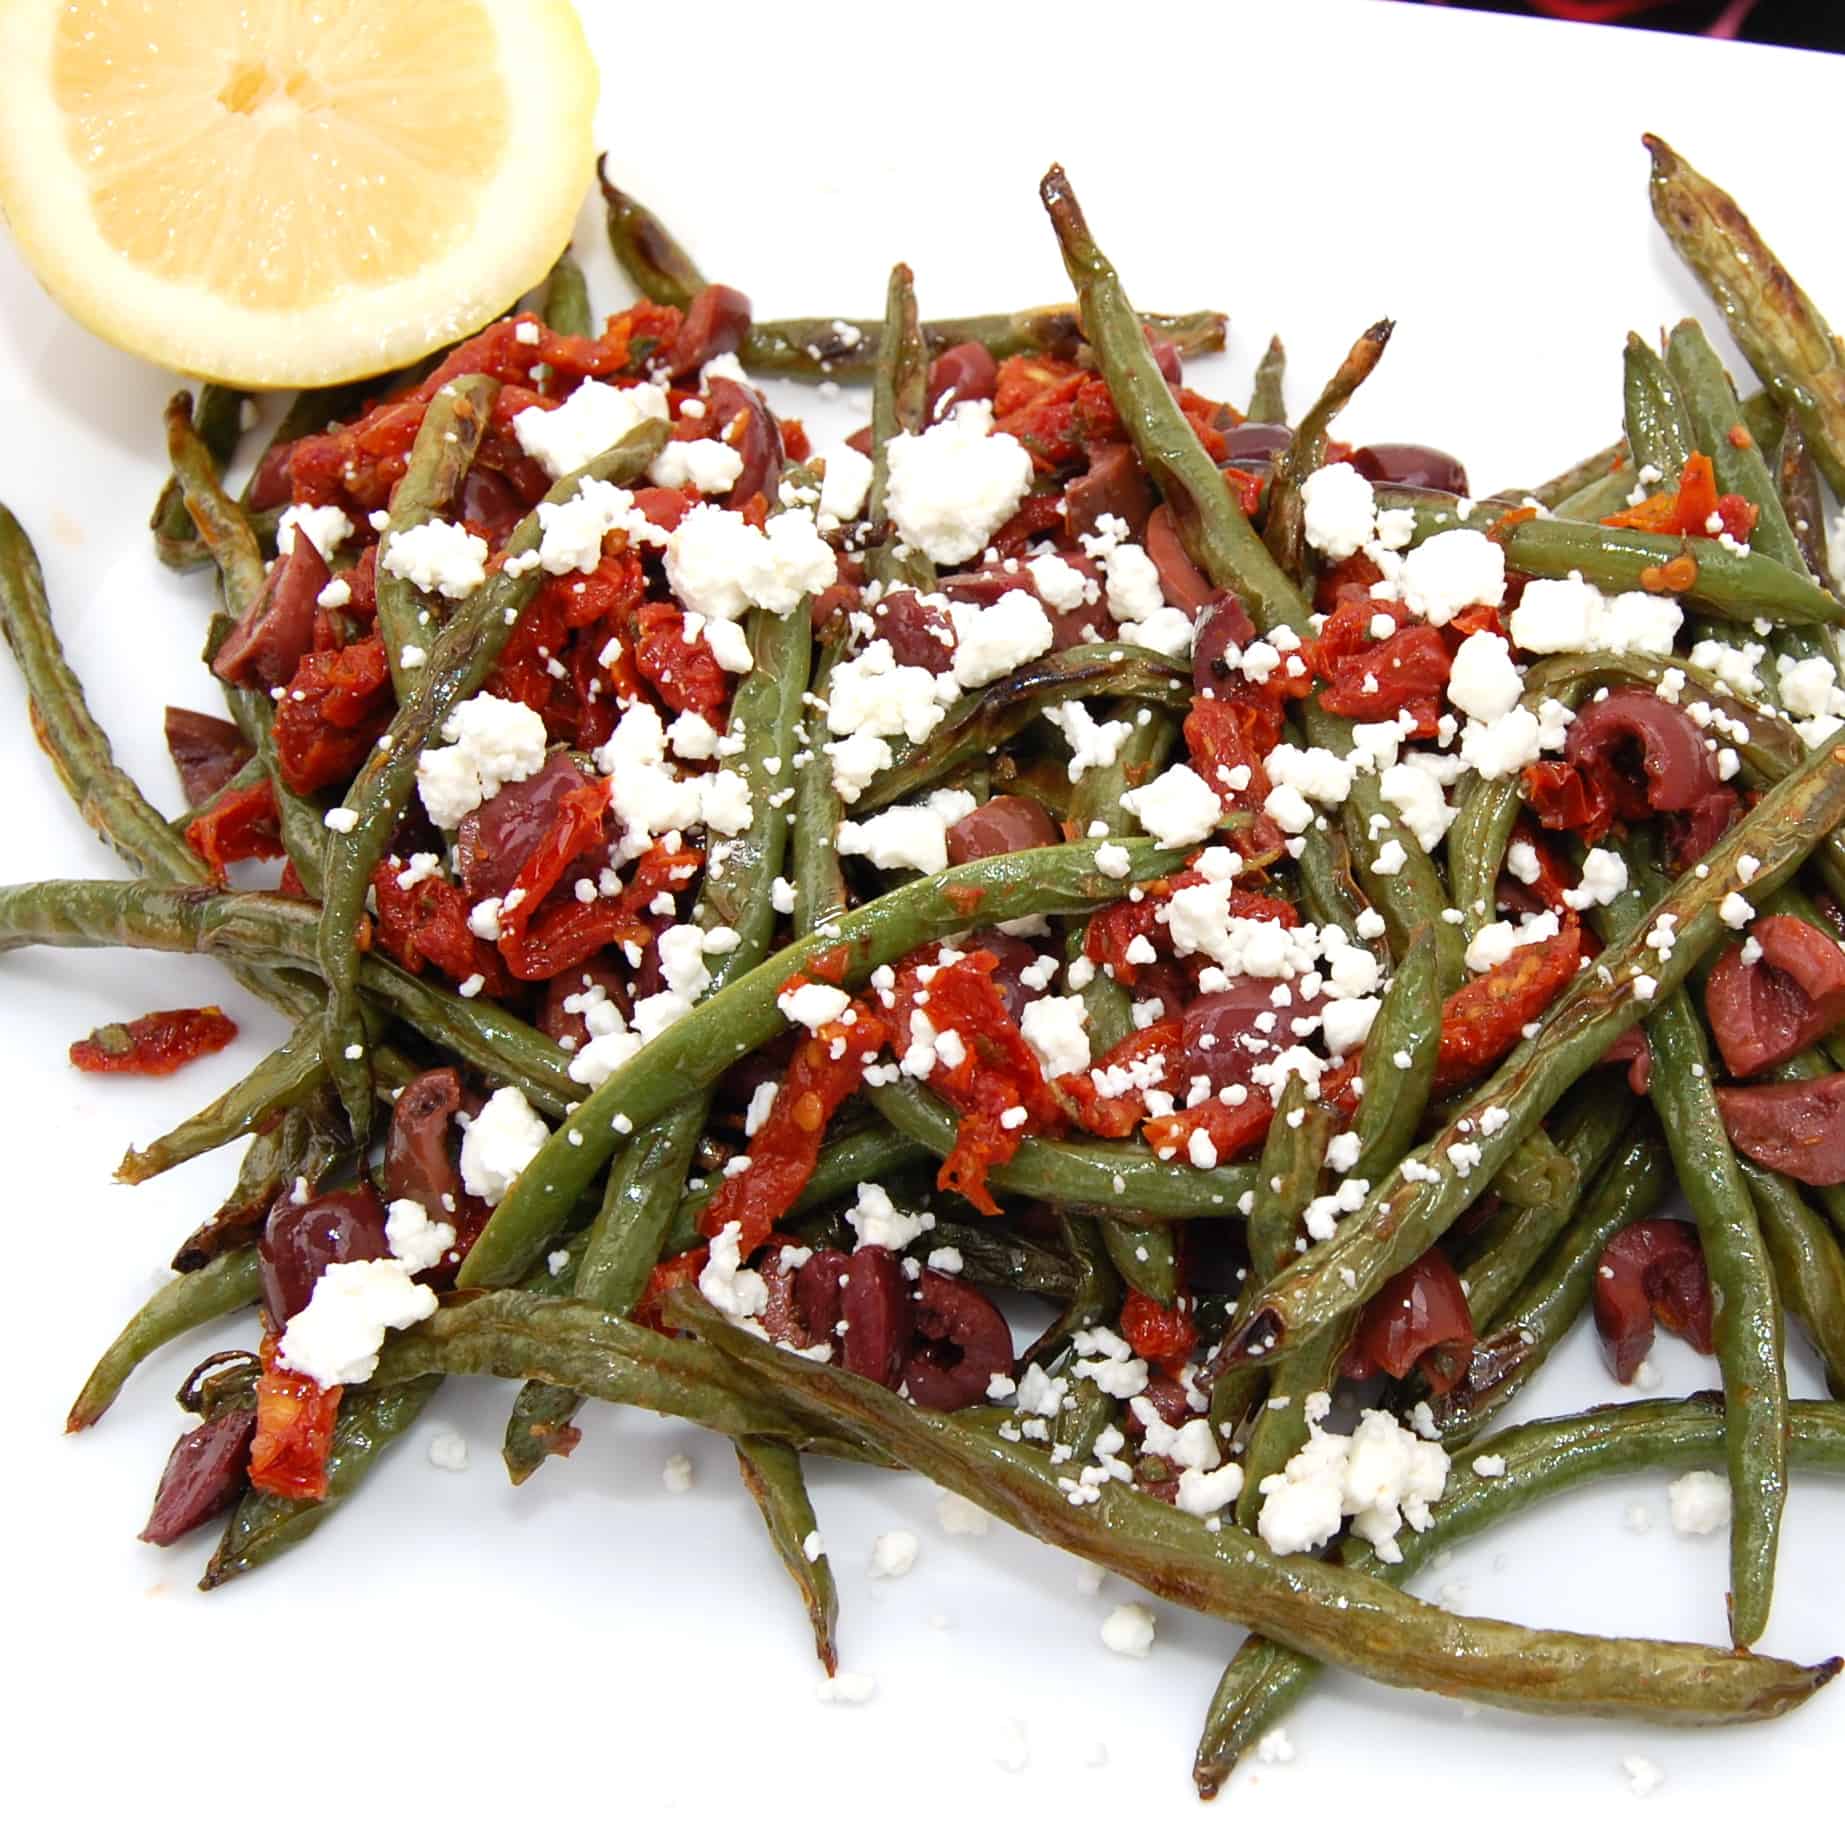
(497, 838)
(918, 634)
(1650, 754)
(1115, 483)
(206, 751)
(278, 627)
(1182, 583)
(565, 1026)
(1225, 624)
(740, 417)
(963, 1343)
(1014, 954)
(489, 502)
(417, 1161)
(875, 1304)
(1007, 823)
(1166, 357)
(1227, 1034)
(301, 1241)
(203, 1474)
(958, 376)
(818, 1295)
(1250, 446)
(716, 321)
(1410, 464)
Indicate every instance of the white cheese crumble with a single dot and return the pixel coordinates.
(593, 418)
(335, 1339)
(491, 741)
(893, 1554)
(1699, 1503)
(1128, 1630)
(1177, 807)
(1055, 1028)
(499, 1143)
(439, 557)
(954, 485)
(719, 564)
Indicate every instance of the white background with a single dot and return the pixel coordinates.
(591, 1650)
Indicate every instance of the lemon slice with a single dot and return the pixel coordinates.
(291, 192)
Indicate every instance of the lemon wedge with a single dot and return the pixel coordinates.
(291, 192)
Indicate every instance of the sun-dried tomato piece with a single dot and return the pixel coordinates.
(1555, 874)
(156, 1044)
(1567, 801)
(684, 672)
(783, 1150)
(241, 824)
(664, 1278)
(576, 827)
(995, 1083)
(1407, 672)
(1418, 1320)
(1483, 1020)
(1231, 1127)
(335, 709)
(1689, 511)
(1096, 1102)
(428, 925)
(1161, 1335)
(295, 1419)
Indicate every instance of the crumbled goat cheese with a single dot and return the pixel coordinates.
(1450, 572)
(1177, 807)
(707, 466)
(954, 485)
(720, 565)
(1339, 508)
(499, 1143)
(812, 1004)
(848, 480)
(440, 558)
(1054, 1027)
(991, 642)
(490, 742)
(1128, 1630)
(893, 1553)
(335, 1339)
(878, 1223)
(913, 838)
(593, 418)
(1700, 1503)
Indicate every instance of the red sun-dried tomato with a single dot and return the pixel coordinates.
(1419, 1319)
(1482, 1021)
(1111, 1116)
(674, 1272)
(783, 1150)
(241, 824)
(576, 827)
(1161, 1335)
(156, 1044)
(1371, 680)
(295, 1419)
(685, 673)
(1555, 875)
(428, 925)
(997, 1075)
(1688, 512)
(1231, 1127)
(1567, 801)
(335, 709)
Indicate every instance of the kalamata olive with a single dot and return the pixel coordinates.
(1115, 483)
(1072, 627)
(1014, 954)
(1007, 823)
(1651, 1270)
(958, 376)
(1166, 357)
(1633, 1049)
(740, 417)
(1224, 624)
(1182, 583)
(206, 751)
(489, 502)
(819, 1295)
(300, 1241)
(1765, 1010)
(203, 1474)
(919, 634)
(564, 1023)
(417, 1161)
(1228, 1033)
(963, 1344)
(1418, 1319)
(1650, 755)
(269, 484)
(1252, 446)
(497, 838)
(1410, 464)
(717, 319)
(1795, 1128)
(875, 1305)
(266, 645)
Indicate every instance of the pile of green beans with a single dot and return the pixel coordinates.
(558, 1294)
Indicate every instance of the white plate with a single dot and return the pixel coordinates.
(591, 1649)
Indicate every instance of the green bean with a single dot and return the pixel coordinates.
(1284, 530)
(218, 418)
(1600, 498)
(564, 306)
(649, 254)
(1747, 1329)
(980, 722)
(899, 397)
(283, 1079)
(184, 1304)
(699, 1048)
(1280, 1428)
(1525, 1235)
(1404, 1217)
(1217, 536)
(1659, 428)
(1632, 1184)
(1096, 1175)
(1533, 1173)
(648, 1177)
(1589, 472)
(304, 1143)
(1266, 1679)
(1288, 1177)
(1267, 398)
(246, 928)
(263, 1526)
(1780, 331)
(820, 894)
(1411, 899)
(1808, 1264)
(1797, 487)
(1095, 1297)
(1144, 1255)
(995, 1257)
(1337, 1615)
(1477, 842)
(772, 1472)
(1329, 893)
(460, 658)
(1407, 1031)
(446, 442)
